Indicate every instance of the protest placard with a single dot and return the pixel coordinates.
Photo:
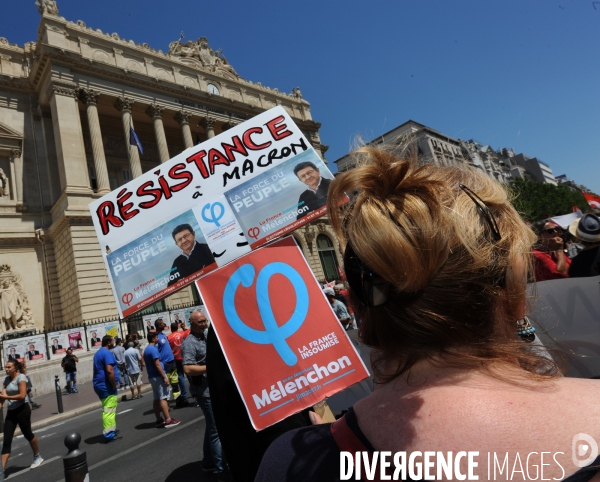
(95, 333)
(59, 341)
(150, 320)
(31, 349)
(207, 206)
(282, 341)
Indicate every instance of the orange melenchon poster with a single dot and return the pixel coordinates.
(282, 341)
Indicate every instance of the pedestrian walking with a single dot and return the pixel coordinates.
(119, 353)
(194, 365)
(167, 358)
(161, 387)
(69, 365)
(105, 381)
(135, 363)
(175, 340)
(14, 391)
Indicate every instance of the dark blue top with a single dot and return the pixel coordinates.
(164, 349)
(150, 354)
(102, 386)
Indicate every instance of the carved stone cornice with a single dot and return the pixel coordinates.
(61, 87)
(88, 96)
(124, 104)
(155, 111)
(182, 117)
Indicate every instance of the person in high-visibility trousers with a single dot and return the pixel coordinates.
(105, 382)
(167, 358)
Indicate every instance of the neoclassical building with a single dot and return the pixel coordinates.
(67, 103)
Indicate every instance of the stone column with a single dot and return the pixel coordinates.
(124, 104)
(184, 121)
(68, 138)
(209, 127)
(155, 112)
(18, 163)
(89, 98)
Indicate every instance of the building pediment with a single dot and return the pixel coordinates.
(10, 140)
(7, 132)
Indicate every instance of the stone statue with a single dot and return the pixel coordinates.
(296, 93)
(4, 186)
(15, 312)
(47, 7)
(10, 305)
(200, 50)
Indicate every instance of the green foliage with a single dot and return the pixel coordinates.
(536, 200)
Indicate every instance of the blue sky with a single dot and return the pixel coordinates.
(521, 74)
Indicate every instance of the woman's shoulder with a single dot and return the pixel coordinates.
(487, 413)
(308, 453)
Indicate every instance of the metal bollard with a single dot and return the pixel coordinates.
(75, 462)
(58, 394)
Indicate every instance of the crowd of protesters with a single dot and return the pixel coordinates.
(570, 253)
(456, 325)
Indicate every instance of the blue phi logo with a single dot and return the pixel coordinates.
(273, 334)
(214, 217)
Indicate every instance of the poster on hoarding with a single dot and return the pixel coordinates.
(184, 314)
(268, 310)
(208, 206)
(59, 341)
(150, 320)
(30, 349)
(95, 333)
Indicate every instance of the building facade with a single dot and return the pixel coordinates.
(433, 146)
(67, 104)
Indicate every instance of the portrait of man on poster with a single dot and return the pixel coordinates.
(194, 255)
(315, 196)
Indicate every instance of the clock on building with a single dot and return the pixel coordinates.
(212, 89)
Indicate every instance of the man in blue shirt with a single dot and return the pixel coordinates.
(105, 381)
(167, 358)
(161, 388)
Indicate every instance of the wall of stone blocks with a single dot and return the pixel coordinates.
(94, 289)
(85, 292)
(55, 316)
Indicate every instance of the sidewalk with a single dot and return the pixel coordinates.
(73, 404)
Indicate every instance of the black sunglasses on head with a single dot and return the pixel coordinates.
(370, 289)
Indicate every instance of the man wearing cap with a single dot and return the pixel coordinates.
(339, 309)
(587, 231)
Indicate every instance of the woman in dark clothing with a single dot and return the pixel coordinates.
(14, 391)
(437, 261)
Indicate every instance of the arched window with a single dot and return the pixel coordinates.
(328, 258)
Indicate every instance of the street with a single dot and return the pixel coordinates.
(140, 452)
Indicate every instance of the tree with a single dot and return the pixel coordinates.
(536, 201)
